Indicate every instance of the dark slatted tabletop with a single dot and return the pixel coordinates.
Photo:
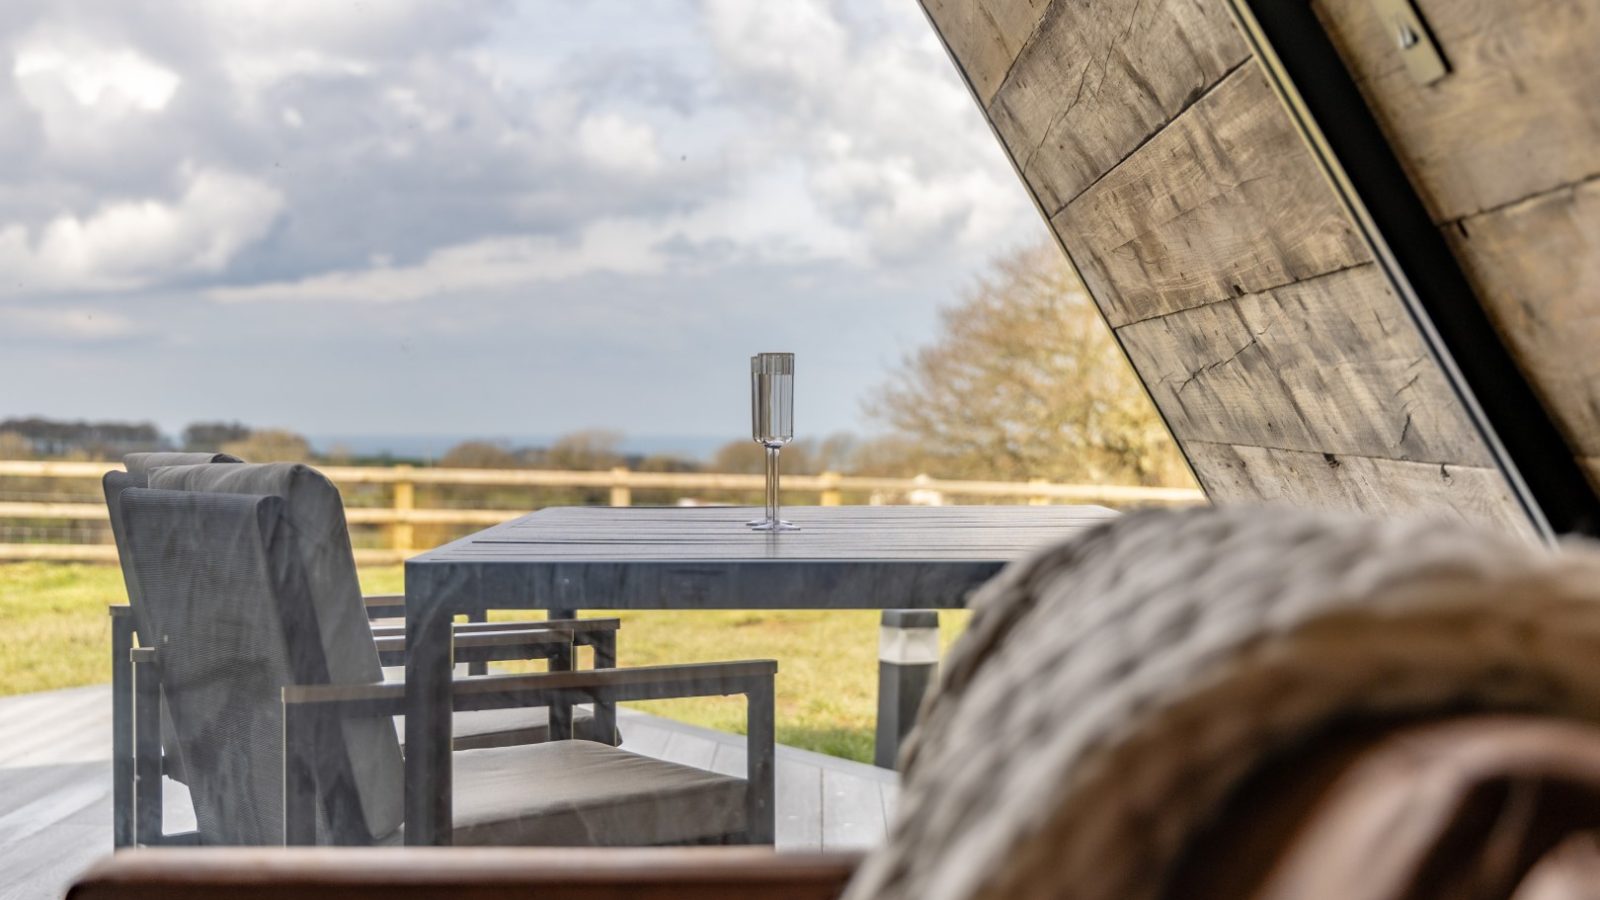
(703, 557)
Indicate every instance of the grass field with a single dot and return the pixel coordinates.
(54, 633)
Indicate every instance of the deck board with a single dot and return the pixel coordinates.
(55, 787)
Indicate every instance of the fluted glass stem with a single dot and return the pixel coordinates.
(772, 482)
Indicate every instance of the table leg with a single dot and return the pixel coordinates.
(428, 674)
(908, 661)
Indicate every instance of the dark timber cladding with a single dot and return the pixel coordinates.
(1210, 238)
(1505, 153)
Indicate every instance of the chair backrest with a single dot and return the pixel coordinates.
(299, 573)
(140, 464)
(137, 475)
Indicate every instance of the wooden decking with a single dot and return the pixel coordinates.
(55, 787)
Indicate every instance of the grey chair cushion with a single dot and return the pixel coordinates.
(140, 464)
(506, 727)
(581, 793)
(315, 517)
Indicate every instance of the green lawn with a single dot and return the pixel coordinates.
(54, 633)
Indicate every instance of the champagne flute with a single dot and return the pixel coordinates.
(772, 424)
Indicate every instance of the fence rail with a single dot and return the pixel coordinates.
(402, 515)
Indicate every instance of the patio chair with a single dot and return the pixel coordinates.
(489, 728)
(273, 680)
(1219, 703)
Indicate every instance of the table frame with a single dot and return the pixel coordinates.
(485, 571)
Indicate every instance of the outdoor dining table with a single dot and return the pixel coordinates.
(565, 559)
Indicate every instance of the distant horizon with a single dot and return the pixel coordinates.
(697, 447)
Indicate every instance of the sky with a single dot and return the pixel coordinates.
(480, 217)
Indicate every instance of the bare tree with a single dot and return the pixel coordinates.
(270, 445)
(1025, 381)
(594, 448)
(480, 455)
(209, 436)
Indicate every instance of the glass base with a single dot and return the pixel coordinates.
(754, 522)
(780, 525)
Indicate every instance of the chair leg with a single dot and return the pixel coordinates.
(147, 753)
(561, 708)
(605, 711)
(300, 741)
(478, 668)
(122, 759)
(760, 777)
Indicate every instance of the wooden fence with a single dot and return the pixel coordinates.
(401, 517)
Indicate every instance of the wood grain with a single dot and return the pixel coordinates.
(986, 35)
(1331, 364)
(1225, 201)
(1382, 487)
(1212, 242)
(1536, 265)
(1515, 117)
(1099, 79)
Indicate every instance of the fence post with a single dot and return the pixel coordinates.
(1037, 499)
(923, 494)
(621, 493)
(403, 534)
(831, 496)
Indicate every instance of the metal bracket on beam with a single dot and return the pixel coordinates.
(1411, 37)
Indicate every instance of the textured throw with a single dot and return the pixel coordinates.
(1111, 691)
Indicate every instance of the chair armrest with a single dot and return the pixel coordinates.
(576, 626)
(616, 685)
(543, 688)
(583, 630)
(563, 873)
(489, 646)
(385, 606)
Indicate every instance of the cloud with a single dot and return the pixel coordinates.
(614, 143)
(130, 244)
(81, 325)
(891, 142)
(493, 265)
(91, 75)
(665, 179)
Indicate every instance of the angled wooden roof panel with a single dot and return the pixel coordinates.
(1213, 242)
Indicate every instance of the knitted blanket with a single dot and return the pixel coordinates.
(1112, 690)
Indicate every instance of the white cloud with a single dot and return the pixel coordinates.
(133, 243)
(891, 142)
(117, 79)
(616, 144)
